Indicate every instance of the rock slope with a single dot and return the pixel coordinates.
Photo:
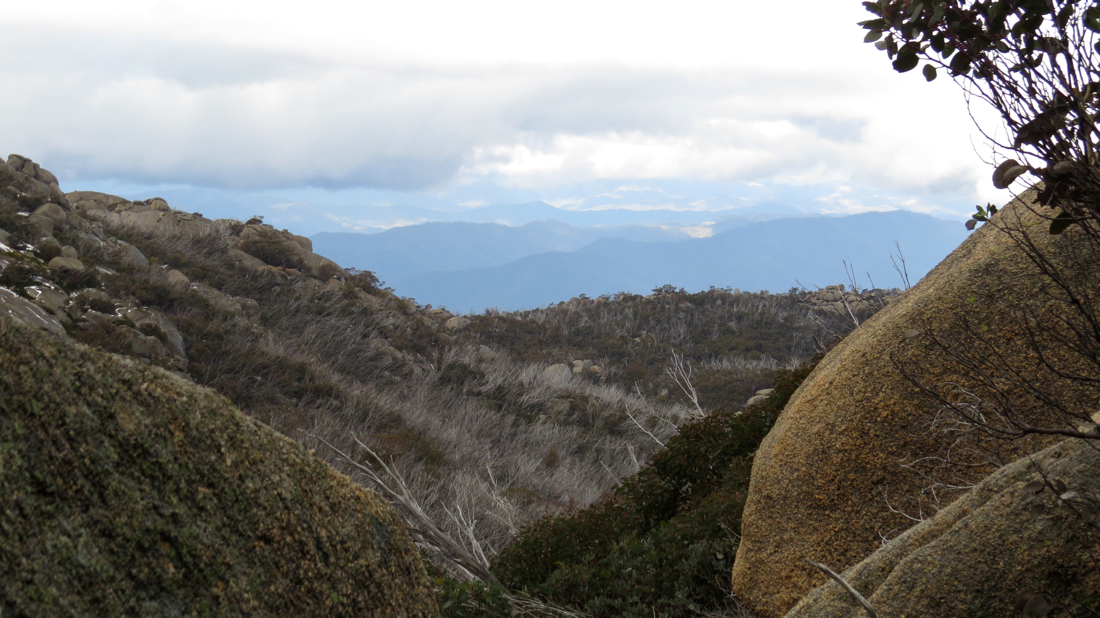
(860, 444)
(131, 492)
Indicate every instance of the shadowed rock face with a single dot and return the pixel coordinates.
(1013, 542)
(130, 492)
(824, 480)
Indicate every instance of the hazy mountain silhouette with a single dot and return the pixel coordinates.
(405, 251)
(774, 255)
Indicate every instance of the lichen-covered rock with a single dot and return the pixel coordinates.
(14, 308)
(456, 323)
(130, 492)
(66, 265)
(1023, 536)
(828, 482)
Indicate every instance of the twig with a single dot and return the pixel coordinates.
(847, 587)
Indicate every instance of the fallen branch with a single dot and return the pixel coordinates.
(419, 524)
(847, 587)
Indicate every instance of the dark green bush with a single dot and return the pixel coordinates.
(22, 273)
(663, 543)
(472, 600)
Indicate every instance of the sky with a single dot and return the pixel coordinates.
(319, 114)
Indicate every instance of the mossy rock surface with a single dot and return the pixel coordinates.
(1017, 541)
(129, 492)
(861, 442)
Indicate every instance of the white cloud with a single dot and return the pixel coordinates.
(518, 97)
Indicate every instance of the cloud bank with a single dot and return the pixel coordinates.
(241, 113)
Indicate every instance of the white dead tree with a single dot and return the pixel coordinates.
(680, 372)
(472, 564)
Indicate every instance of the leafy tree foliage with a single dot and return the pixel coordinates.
(1034, 63)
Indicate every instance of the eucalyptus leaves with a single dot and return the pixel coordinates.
(1035, 63)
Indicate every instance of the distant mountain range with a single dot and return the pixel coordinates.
(401, 252)
(469, 267)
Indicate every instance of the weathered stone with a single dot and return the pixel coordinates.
(1009, 538)
(129, 255)
(56, 213)
(557, 371)
(456, 323)
(246, 260)
(133, 482)
(303, 242)
(381, 346)
(827, 482)
(149, 318)
(45, 176)
(13, 308)
(69, 252)
(220, 301)
(133, 343)
(755, 400)
(440, 314)
(318, 265)
(178, 282)
(49, 298)
(44, 224)
(64, 264)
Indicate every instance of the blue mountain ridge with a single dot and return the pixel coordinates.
(774, 255)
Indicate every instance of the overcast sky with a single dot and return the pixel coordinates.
(318, 108)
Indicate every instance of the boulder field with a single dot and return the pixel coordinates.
(864, 448)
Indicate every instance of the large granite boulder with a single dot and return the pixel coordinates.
(861, 446)
(130, 492)
(1025, 541)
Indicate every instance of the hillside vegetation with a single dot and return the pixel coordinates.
(490, 421)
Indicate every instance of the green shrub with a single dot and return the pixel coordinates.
(472, 600)
(22, 273)
(663, 543)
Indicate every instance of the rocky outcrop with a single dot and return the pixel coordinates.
(16, 309)
(857, 446)
(128, 491)
(1022, 542)
(153, 213)
(33, 183)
